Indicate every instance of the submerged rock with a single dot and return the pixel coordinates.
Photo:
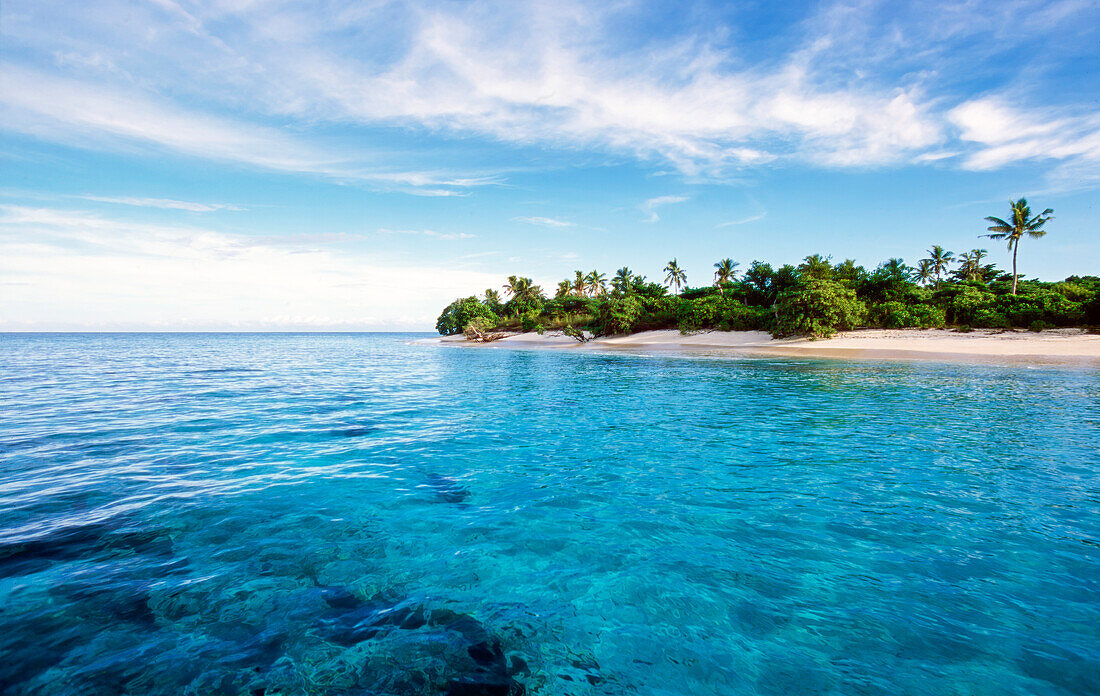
(475, 661)
(22, 555)
(447, 489)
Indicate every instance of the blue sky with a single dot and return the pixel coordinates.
(256, 164)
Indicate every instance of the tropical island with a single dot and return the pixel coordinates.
(815, 299)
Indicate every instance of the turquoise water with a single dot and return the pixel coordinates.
(355, 514)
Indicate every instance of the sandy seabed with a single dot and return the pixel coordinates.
(1060, 346)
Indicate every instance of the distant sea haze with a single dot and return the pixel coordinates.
(365, 513)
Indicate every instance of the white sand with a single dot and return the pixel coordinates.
(1058, 346)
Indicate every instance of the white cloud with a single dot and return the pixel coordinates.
(853, 85)
(166, 203)
(430, 233)
(544, 221)
(751, 218)
(93, 115)
(651, 205)
(76, 270)
(1004, 134)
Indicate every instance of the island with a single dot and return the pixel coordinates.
(945, 305)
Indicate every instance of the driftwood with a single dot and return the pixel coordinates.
(576, 333)
(474, 333)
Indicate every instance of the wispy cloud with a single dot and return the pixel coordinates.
(752, 218)
(1002, 134)
(651, 205)
(430, 233)
(856, 86)
(166, 203)
(87, 114)
(544, 221)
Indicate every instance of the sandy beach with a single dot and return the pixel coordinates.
(1062, 346)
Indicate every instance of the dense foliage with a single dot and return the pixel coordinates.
(461, 312)
(815, 298)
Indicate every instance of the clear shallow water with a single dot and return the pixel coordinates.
(351, 514)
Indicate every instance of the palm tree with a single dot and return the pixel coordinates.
(675, 275)
(940, 259)
(816, 266)
(924, 271)
(970, 267)
(579, 284)
(492, 297)
(564, 288)
(522, 289)
(513, 287)
(624, 278)
(597, 282)
(725, 271)
(1022, 224)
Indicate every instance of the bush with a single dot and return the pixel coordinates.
(1092, 310)
(618, 315)
(818, 308)
(1040, 305)
(1039, 325)
(529, 321)
(898, 315)
(461, 312)
(963, 303)
(990, 319)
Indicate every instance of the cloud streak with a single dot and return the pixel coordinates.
(651, 205)
(164, 203)
(544, 222)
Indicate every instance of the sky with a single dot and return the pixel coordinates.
(326, 165)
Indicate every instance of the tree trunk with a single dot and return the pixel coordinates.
(1015, 248)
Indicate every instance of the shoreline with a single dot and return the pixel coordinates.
(1053, 347)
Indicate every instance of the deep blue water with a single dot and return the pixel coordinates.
(354, 514)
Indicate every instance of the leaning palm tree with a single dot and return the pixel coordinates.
(940, 259)
(923, 272)
(675, 275)
(624, 278)
(1022, 224)
(725, 271)
(597, 282)
(579, 284)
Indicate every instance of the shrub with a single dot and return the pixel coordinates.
(1039, 325)
(818, 308)
(990, 319)
(618, 315)
(529, 321)
(461, 312)
(964, 302)
(898, 315)
(1091, 310)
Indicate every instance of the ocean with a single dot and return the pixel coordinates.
(353, 514)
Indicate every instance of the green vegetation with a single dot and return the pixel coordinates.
(815, 298)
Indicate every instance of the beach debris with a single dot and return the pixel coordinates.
(578, 334)
(478, 332)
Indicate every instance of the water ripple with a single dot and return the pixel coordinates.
(351, 514)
